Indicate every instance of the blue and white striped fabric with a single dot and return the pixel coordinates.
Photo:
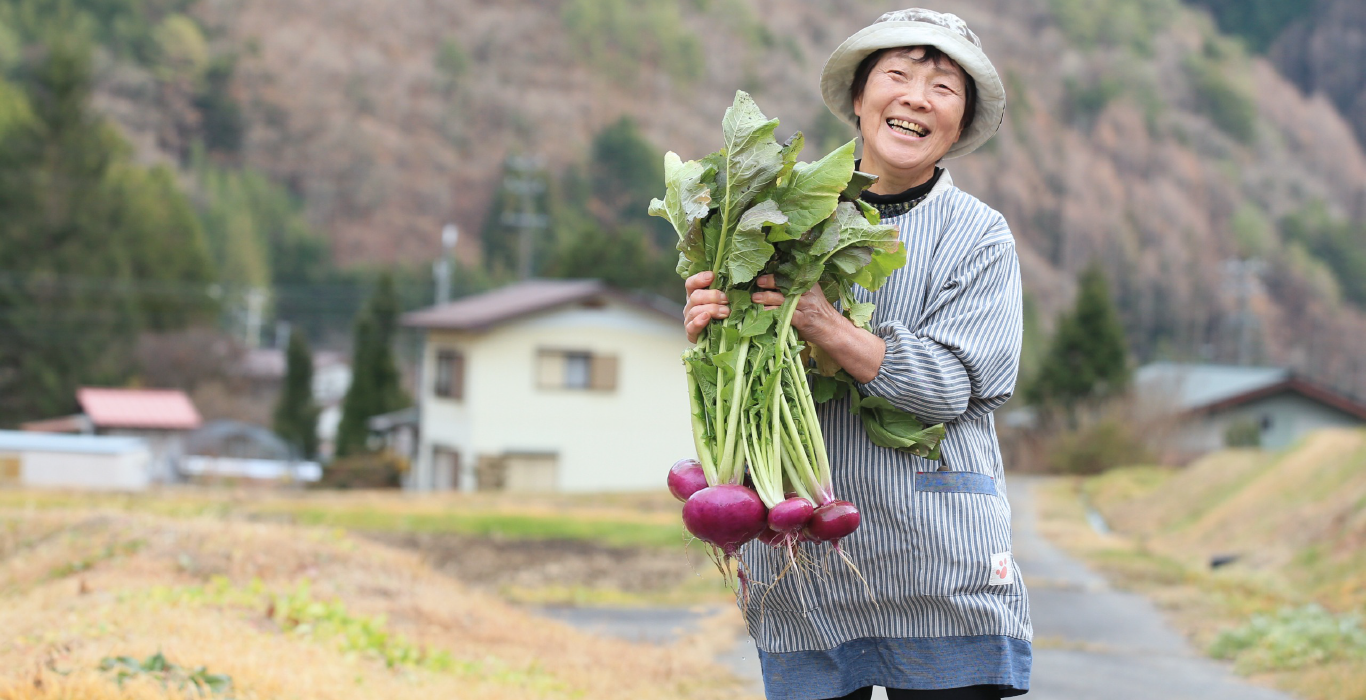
(927, 614)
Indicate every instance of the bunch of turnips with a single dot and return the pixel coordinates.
(752, 209)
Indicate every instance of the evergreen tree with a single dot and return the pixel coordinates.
(296, 416)
(93, 249)
(1087, 358)
(600, 217)
(375, 383)
(626, 173)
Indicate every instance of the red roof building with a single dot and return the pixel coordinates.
(138, 409)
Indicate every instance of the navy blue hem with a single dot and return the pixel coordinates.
(913, 663)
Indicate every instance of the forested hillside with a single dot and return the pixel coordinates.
(1138, 136)
(1320, 45)
(1225, 202)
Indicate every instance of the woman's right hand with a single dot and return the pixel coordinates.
(703, 304)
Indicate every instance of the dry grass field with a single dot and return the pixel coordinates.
(1289, 608)
(231, 585)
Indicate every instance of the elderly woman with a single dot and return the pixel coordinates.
(942, 612)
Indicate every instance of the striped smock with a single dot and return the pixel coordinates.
(939, 609)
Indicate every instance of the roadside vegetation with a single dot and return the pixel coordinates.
(1287, 602)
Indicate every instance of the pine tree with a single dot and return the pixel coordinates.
(1087, 358)
(93, 248)
(376, 387)
(296, 416)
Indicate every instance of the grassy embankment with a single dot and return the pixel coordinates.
(309, 610)
(1289, 610)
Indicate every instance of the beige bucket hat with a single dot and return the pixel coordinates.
(918, 27)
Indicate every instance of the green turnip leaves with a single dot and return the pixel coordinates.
(750, 209)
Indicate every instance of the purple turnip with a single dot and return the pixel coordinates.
(726, 515)
(686, 478)
(790, 515)
(832, 522)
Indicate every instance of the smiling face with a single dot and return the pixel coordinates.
(910, 114)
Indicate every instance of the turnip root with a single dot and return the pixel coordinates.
(686, 478)
(790, 515)
(725, 516)
(832, 522)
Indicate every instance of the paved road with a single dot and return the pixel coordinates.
(1095, 642)
(1091, 641)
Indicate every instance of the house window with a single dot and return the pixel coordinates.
(450, 375)
(576, 370)
(9, 470)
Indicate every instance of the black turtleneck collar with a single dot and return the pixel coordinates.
(889, 205)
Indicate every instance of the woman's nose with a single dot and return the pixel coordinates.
(916, 96)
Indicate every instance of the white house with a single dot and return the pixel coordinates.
(1214, 401)
(565, 385)
(54, 460)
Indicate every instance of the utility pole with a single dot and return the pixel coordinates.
(256, 298)
(522, 182)
(441, 269)
(1240, 276)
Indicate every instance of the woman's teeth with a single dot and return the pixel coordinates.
(907, 127)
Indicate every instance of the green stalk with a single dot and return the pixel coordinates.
(796, 440)
(718, 416)
(727, 469)
(807, 404)
(798, 484)
(760, 471)
(699, 426)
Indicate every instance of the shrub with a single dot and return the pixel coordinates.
(1085, 101)
(618, 36)
(1226, 103)
(1292, 638)
(1095, 448)
(1124, 23)
(1243, 433)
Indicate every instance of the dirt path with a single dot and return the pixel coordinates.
(1091, 641)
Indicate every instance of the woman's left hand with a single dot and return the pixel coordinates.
(817, 321)
(815, 317)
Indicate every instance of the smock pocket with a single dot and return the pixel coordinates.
(962, 533)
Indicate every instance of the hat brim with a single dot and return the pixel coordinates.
(838, 74)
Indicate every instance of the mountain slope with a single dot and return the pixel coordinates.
(1137, 136)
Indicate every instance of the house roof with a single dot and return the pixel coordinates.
(74, 423)
(154, 409)
(484, 311)
(1209, 388)
(20, 441)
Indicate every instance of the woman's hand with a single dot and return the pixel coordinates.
(703, 304)
(857, 351)
(813, 319)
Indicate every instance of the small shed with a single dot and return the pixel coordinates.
(48, 460)
(1220, 405)
(161, 417)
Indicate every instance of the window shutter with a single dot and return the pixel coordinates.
(550, 369)
(604, 373)
(458, 377)
(10, 470)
